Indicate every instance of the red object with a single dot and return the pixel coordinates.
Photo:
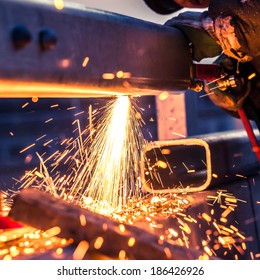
(6, 222)
(207, 72)
(250, 132)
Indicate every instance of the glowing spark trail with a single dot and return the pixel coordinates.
(107, 184)
(112, 166)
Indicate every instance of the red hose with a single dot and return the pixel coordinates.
(250, 132)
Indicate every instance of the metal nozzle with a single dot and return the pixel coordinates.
(227, 82)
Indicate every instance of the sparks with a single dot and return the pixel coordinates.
(59, 4)
(114, 158)
(102, 174)
(27, 148)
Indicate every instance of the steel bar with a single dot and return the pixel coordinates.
(80, 52)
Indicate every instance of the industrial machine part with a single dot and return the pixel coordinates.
(194, 164)
(232, 87)
(106, 54)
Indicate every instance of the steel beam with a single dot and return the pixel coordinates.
(79, 52)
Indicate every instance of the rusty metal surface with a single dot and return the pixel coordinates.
(143, 57)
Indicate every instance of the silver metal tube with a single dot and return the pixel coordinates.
(78, 52)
